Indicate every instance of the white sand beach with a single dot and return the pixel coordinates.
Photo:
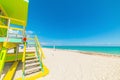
(73, 65)
(70, 65)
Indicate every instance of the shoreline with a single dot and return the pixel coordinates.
(89, 52)
(74, 65)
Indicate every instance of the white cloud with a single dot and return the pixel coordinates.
(26, 0)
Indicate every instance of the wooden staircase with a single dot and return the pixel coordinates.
(32, 64)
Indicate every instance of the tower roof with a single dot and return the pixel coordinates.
(17, 9)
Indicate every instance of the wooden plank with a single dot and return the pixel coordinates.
(13, 19)
(1, 26)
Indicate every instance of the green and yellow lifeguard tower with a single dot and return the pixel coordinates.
(13, 21)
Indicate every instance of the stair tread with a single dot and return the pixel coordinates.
(35, 73)
(31, 60)
(30, 54)
(32, 70)
(30, 57)
(32, 64)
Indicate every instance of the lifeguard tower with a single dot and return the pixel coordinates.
(13, 21)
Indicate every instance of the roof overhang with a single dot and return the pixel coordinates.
(17, 9)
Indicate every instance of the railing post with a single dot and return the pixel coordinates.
(8, 24)
(23, 61)
(39, 52)
(23, 32)
(16, 50)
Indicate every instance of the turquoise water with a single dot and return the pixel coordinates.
(103, 49)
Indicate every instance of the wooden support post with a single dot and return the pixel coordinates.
(8, 29)
(16, 50)
(23, 32)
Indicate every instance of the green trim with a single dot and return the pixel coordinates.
(15, 40)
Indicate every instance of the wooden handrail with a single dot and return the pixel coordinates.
(1, 26)
(39, 47)
(30, 38)
(13, 19)
(13, 28)
(23, 59)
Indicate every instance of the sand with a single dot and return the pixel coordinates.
(71, 65)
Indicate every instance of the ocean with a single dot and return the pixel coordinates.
(115, 50)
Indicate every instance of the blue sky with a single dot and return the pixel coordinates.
(75, 22)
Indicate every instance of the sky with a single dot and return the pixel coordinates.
(75, 22)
